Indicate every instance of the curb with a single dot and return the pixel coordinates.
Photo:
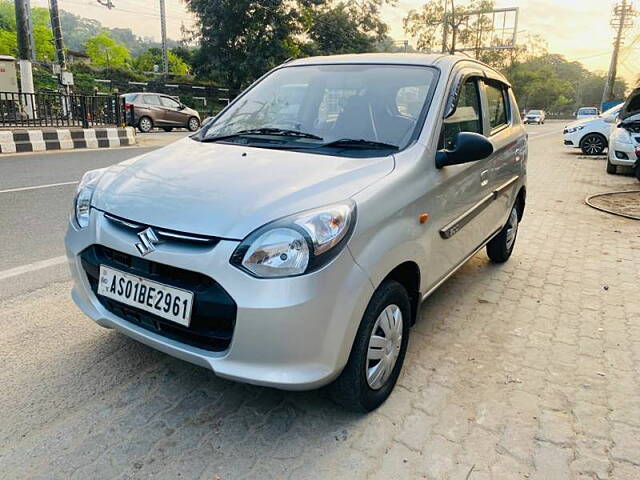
(17, 141)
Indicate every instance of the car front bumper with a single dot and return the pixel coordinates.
(619, 150)
(290, 333)
(572, 140)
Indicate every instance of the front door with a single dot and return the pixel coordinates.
(173, 112)
(462, 193)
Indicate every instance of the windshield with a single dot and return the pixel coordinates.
(329, 103)
(535, 112)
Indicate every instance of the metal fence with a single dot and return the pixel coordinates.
(60, 110)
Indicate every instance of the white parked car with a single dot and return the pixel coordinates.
(624, 140)
(535, 116)
(587, 112)
(591, 135)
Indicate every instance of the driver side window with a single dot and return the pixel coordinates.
(466, 118)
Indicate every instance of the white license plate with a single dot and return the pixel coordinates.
(162, 300)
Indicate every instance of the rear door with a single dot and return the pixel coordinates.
(153, 108)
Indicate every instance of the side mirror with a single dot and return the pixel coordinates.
(610, 119)
(469, 147)
(181, 107)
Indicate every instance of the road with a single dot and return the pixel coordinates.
(527, 370)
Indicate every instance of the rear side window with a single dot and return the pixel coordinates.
(151, 100)
(169, 102)
(467, 116)
(130, 97)
(497, 105)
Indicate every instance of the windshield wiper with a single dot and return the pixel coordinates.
(278, 132)
(359, 143)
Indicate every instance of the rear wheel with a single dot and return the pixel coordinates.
(499, 249)
(378, 351)
(194, 124)
(611, 168)
(593, 144)
(145, 124)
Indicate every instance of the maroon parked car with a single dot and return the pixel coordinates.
(157, 110)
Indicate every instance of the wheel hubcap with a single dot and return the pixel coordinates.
(512, 228)
(194, 124)
(384, 346)
(145, 124)
(593, 145)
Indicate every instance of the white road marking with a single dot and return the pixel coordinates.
(37, 187)
(32, 267)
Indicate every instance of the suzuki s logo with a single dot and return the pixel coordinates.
(148, 241)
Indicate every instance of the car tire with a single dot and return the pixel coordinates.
(636, 170)
(145, 124)
(167, 129)
(361, 387)
(500, 247)
(193, 124)
(611, 168)
(593, 144)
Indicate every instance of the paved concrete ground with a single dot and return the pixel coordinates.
(527, 370)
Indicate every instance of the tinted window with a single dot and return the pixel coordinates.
(497, 106)
(466, 117)
(151, 99)
(169, 102)
(130, 97)
(587, 111)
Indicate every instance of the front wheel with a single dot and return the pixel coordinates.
(194, 124)
(593, 144)
(378, 351)
(499, 249)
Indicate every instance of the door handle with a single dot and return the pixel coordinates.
(484, 178)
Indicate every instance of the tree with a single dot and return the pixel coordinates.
(427, 23)
(153, 56)
(242, 39)
(104, 51)
(42, 36)
(344, 27)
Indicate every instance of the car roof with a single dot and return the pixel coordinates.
(441, 61)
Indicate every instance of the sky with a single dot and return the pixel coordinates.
(578, 29)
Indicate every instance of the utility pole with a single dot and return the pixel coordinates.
(163, 29)
(26, 54)
(26, 50)
(445, 26)
(57, 33)
(622, 20)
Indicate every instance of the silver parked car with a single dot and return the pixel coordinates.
(291, 241)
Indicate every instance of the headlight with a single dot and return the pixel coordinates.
(297, 244)
(84, 194)
(575, 129)
(622, 136)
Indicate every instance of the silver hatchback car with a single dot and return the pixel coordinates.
(291, 241)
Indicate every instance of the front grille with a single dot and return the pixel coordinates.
(164, 234)
(213, 314)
